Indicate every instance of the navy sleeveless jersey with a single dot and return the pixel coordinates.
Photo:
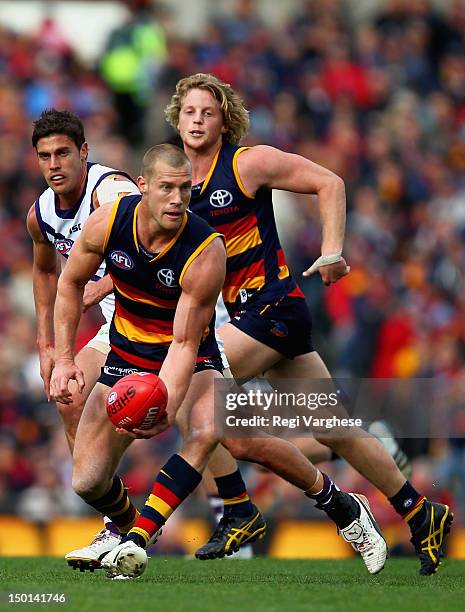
(256, 261)
(147, 290)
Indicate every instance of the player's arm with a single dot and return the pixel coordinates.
(110, 189)
(45, 273)
(264, 166)
(84, 260)
(95, 291)
(201, 286)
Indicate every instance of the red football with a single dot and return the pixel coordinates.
(137, 401)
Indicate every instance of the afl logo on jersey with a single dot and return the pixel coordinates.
(166, 277)
(121, 260)
(221, 198)
(64, 246)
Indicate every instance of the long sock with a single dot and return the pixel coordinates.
(410, 505)
(233, 492)
(117, 506)
(326, 494)
(339, 506)
(175, 481)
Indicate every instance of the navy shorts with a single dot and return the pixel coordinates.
(284, 325)
(115, 368)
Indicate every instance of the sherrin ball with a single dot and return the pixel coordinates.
(137, 401)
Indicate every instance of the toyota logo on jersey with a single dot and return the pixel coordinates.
(221, 198)
(121, 260)
(166, 277)
(64, 246)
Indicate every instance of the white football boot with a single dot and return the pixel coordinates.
(88, 558)
(127, 559)
(112, 574)
(365, 536)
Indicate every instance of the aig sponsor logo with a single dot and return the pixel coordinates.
(121, 260)
(166, 277)
(221, 198)
(64, 246)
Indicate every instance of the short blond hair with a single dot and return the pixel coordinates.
(236, 117)
(171, 154)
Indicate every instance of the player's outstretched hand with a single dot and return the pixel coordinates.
(330, 268)
(141, 434)
(64, 371)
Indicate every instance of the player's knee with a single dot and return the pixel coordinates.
(239, 448)
(87, 487)
(183, 427)
(70, 415)
(203, 439)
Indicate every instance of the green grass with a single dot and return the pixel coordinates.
(178, 585)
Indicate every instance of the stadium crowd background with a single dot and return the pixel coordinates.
(379, 101)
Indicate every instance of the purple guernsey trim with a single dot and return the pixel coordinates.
(42, 225)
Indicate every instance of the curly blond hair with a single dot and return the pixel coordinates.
(236, 117)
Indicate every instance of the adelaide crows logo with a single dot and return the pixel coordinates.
(221, 198)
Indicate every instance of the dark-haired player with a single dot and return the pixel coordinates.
(76, 188)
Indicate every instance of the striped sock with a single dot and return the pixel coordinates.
(117, 506)
(175, 481)
(110, 525)
(339, 506)
(232, 490)
(325, 496)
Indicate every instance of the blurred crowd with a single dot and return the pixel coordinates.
(381, 102)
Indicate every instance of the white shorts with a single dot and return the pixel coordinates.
(221, 316)
(101, 341)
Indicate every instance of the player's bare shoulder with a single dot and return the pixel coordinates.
(256, 166)
(207, 271)
(94, 232)
(32, 226)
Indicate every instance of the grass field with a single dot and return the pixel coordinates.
(178, 585)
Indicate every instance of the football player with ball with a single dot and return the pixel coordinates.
(167, 266)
